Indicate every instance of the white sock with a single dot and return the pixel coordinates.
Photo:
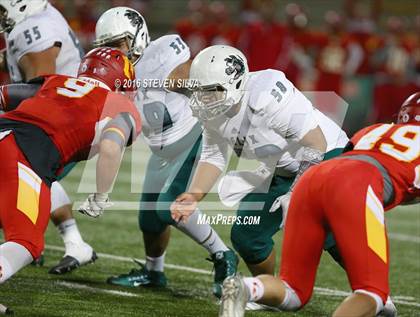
(13, 257)
(203, 234)
(255, 287)
(69, 232)
(155, 264)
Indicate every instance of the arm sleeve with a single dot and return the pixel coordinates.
(12, 95)
(287, 165)
(116, 105)
(214, 150)
(294, 119)
(120, 130)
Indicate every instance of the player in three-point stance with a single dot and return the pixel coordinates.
(381, 170)
(39, 41)
(174, 137)
(55, 122)
(263, 117)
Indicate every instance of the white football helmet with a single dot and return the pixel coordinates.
(13, 12)
(119, 23)
(221, 72)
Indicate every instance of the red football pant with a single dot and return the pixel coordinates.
(24, 199)
(343, 196)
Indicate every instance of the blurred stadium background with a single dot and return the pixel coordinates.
(367, 51)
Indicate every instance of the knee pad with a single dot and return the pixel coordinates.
(251, 247)
(150, 222)
(6, 270)
(291, 300)
(13, 257)
(166, 217)
(376, 297)
(34, 248)
(59, 197)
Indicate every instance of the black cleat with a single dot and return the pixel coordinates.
(69, 263)
(39, 261)
(5, 311)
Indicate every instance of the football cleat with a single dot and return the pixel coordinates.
(225, 265)
(76, 256)
(5, 310)
(235, 296)
(253, 306)
(389, 309)
(39, 261)
(139, 277)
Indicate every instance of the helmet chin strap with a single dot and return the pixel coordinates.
(234, 110)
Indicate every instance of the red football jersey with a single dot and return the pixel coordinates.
(397, 148)
(73, 114)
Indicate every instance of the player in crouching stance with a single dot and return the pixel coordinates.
(174, 137)
(381, 170)
(39, 41)
(62, 120)
(263, 117)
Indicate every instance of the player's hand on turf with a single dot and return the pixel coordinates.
(183, 207)
(283, 203)
(95, 204)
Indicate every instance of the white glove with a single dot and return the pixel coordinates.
(95, 204)
(283, 203)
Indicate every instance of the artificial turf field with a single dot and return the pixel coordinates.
(115, 236)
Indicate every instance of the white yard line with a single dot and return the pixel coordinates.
(403, 237)
(402, 300)
(127, 259)
(95, 289)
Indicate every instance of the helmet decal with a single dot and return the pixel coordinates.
(128, 68)
(235, 65)
(134, 18)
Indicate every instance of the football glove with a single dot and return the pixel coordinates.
(283, 203)
(95, 204)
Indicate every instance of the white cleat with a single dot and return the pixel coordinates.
(235, 295)
(252, 306)
(389, 309)
(82, 252)
(76, 255)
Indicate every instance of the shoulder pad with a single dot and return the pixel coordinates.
(162, 56)
(262, 86)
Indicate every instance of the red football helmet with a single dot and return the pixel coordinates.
(410, 110)
(109, 66)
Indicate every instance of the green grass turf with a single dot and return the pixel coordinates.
(33, 292)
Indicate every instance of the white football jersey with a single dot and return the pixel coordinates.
(38, 33)
(274, 116)
(166, 115)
